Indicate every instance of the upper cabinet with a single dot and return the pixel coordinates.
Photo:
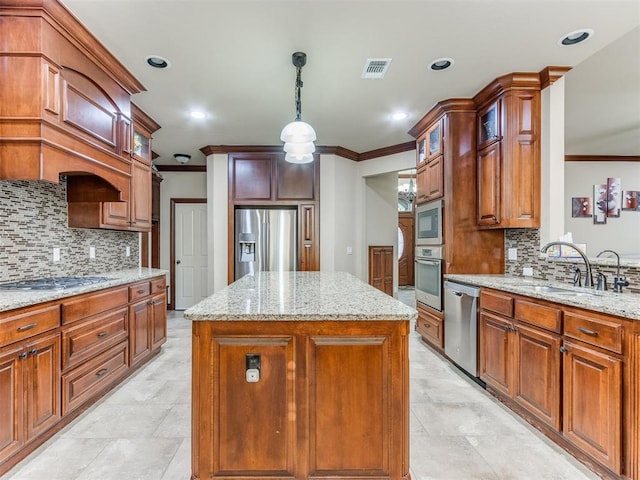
(65, 100)
(508, 139)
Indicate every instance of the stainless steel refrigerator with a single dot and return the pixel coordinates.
(265, 240)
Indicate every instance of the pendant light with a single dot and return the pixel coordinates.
(298, 135)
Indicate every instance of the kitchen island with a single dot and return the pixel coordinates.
(300, 375)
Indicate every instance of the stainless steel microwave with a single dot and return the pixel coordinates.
(428, 224)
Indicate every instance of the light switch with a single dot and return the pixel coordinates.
(56, 254)
(349, 250)
(128, 251)
(92, 252)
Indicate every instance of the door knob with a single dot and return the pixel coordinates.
(178, 262)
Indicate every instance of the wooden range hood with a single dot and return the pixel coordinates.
(66, 101)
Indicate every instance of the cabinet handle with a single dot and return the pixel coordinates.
(588, 332)
(307, 246)
(24, 328)
(102, 372)
(563, 349)
(102, 334)
(141, 291)
(33, 351)
(22, 356)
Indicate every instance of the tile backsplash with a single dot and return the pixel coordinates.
(527, 242)
(33, 220)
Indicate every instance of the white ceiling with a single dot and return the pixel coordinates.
(232, 59)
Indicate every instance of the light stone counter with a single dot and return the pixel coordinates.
(622, 304)
(293, 296)
(10, 299)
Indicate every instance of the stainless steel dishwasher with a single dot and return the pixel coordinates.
(461, 325)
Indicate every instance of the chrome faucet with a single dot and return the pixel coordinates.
(588, 282)
(618, 281)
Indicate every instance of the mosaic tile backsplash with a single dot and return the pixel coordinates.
(33, 220)
(527, 240)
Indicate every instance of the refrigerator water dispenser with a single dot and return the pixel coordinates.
(247, 247)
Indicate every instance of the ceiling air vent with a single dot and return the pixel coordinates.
(375, 67)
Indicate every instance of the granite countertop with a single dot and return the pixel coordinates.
(622, 304)
(291, 296)
(10, 299)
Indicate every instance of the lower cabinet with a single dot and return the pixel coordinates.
(430, 325)
(330, 400)
(59, 357)
(567, 376)
(29, 391)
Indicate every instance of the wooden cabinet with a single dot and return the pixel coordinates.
(264, 178)
(508, 138)
(65, 99)
(58, 357)
(133, 212)
(562, 367)
(430, 325)
(381, 268)
(449, 172)
(147, 319)
(307, 418)
(520, 353)
(30, 391)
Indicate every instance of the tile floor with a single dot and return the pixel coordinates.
(140, 431)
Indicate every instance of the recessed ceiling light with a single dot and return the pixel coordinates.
(399, 116)
(198, 115)
(441, 64)
(576, 37)
(156, 61)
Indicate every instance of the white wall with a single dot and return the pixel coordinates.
(218, 218)
(176, 185)
(620, 234)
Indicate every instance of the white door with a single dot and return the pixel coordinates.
(190, 254)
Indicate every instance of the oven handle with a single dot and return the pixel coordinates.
(427, 262)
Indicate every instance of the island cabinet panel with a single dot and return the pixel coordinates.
(260, 410)
(331, 401)
(349, 401)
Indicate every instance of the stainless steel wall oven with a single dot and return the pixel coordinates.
(428, 273)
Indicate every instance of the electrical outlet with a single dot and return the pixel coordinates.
(527, 271)
(92, 252)
(127, 251)
(56, 254)
(512, 254)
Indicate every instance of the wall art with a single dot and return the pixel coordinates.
(581, 207)
(631, 200)
(600, 203)
(614, 197)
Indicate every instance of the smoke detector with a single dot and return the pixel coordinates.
(375, 68)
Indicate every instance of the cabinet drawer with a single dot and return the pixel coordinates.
(592, 329)
(89, 304)
(539, 315)
(139, 290)
(89, 379)
(83, 341)
(158, 285)
(496, 302)
(430, 328)
(25, 323)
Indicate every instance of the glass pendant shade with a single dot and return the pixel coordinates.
(299, 148)
(301, 158)
(298, 132)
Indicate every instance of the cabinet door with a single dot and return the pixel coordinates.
(430, 327)
(489, 185)
(250, 177)
(308, 246)
(592, 403)
(139, 335)
(140, 196)
(42, 381)
(495, 352)
(537, 373)
(158, 321)
(11, 401)
(422, 185)
(435, 178)
(115, 214)
(434, 141)
(489, 124)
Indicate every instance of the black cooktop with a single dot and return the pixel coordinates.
(52, 283)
